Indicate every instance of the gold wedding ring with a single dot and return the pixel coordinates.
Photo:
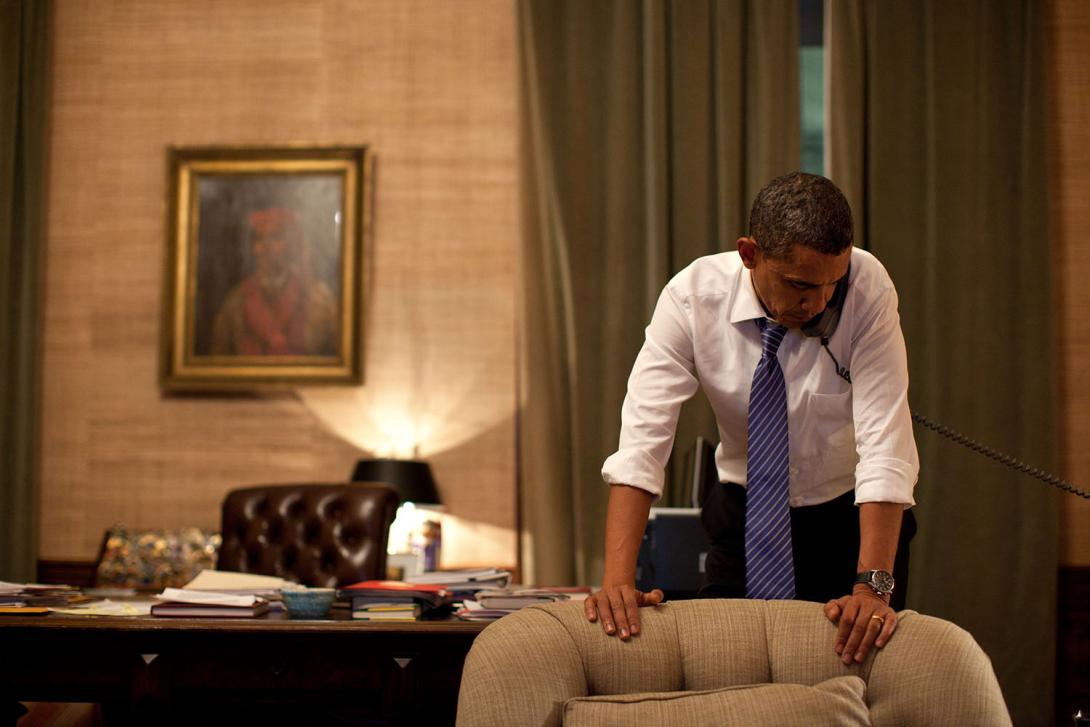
(878, 618)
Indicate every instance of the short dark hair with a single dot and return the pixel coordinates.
(800, 209)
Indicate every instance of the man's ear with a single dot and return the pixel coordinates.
(747, 250)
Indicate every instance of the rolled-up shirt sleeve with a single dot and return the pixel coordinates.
(888, 464)
(662, 379)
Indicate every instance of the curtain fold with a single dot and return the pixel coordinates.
(937, 135)
(647, 129)
(24, 101)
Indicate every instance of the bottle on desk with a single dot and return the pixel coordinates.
(433, 542)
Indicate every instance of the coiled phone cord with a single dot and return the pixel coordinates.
(998, 456)
(972, 444)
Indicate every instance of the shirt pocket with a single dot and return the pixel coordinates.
(828, 429)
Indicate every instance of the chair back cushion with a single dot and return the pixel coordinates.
(835, 702)
(325, 535)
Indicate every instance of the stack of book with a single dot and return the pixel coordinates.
(495, 603)
(396, 600)
(186, 603)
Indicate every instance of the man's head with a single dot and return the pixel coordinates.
(276, 240)
(798, 247)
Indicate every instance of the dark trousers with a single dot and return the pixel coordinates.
(824, 538)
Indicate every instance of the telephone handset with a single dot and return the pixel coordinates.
(823, 325)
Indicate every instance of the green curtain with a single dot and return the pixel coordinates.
(937, 133)
(647, 129)
(24, 101)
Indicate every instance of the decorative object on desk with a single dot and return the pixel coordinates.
(203, 604)
(265, 266)
(153, 558)
(417, 529)
(433, 542)
(323, 535)
(311, 603)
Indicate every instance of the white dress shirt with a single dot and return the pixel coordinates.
(704, 333)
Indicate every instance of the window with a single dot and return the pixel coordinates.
(811, 85)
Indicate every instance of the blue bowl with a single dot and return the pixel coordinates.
(310, 603)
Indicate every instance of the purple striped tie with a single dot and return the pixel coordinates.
(770, 571)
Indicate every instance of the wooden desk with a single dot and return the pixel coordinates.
(393, 673)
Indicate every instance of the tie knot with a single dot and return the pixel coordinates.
(771, 337)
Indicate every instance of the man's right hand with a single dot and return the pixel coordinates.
(617, 607)
(618, 602)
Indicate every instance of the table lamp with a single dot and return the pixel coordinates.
(414, 483)
(411, 478)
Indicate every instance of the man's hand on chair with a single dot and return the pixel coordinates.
(864, 619)
(617, 606)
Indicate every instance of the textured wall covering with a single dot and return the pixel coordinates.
(1068, 52)
(431, 86)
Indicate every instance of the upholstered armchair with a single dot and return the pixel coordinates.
(325, 535)
(722, 662)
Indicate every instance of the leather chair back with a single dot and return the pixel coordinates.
(326, 535)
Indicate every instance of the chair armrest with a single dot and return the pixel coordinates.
(520, 670)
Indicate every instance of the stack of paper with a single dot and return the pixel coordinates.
(190, 603)
(38, 595)
(468, 580)
(243, 584)
(497, 602)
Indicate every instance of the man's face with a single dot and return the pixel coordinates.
(270, 253)
(796, 288)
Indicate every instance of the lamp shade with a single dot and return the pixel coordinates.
(411, 478)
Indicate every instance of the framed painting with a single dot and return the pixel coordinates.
(264, 270)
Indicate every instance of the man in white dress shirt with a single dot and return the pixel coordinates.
(852, 457)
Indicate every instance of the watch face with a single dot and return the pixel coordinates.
(881, 581)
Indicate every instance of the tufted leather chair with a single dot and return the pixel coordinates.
(324, 535)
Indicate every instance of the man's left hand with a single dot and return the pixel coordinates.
(864, 619)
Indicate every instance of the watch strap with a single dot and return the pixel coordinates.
(880, 581)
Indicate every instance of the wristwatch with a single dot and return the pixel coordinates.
(880, 581)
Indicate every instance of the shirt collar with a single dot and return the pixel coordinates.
(745, 305)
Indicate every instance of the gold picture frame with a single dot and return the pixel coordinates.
(265, 266)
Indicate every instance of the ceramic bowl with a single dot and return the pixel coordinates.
(309, 603)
